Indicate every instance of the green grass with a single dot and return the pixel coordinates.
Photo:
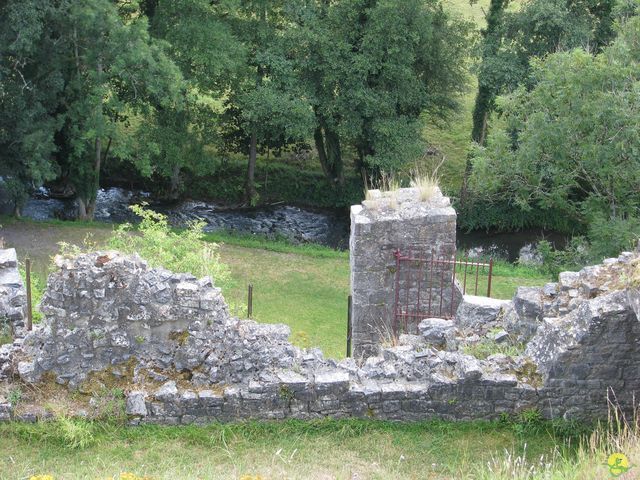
(325, 449)
(305, 287)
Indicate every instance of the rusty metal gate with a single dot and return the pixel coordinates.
(423, 286)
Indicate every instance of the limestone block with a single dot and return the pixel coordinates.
(135, 404)
(479, 313)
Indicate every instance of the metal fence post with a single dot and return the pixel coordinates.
(250, 300)
(490, 274)
(29, 307)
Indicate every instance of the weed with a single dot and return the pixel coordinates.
(183, 251)
(15, 396)
(5, 331)
(426, 183)
(179, 336)
(96, 335)
(301, 338)
(74, 433)
(487, 347)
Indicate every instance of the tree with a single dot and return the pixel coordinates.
(264, 106)
(26, 94)
(106, 73)
(117, 73)
(208, 54)
(371, 69)
(570, 146)
(512, 38)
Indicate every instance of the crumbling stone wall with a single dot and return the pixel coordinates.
(13, 297)
(106, 310)
(386, 222)
(169, 338)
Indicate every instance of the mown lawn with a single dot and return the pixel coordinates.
(326, 449)
(303, 287)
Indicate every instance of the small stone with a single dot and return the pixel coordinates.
(500, 336)
(168, 391)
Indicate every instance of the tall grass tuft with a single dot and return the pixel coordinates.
(427, 183)
(591, 460)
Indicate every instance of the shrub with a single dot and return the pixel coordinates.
(609, 236)
(184, 251)
(575, 255)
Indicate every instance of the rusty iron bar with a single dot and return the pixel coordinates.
(431, 281)
(27, 266)
(420, 272)
(453, 282)
(250, 300)
(464, 286)
(441, 284)
(477, 272)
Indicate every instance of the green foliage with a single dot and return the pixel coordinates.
(84, 73)
(277, 181)
(38, 286)
(183, 251)
(73, 433)
(574, 256)
(108, 404)
(487, 347)
(568, 139)
(14, 396)
(371, 69)
(26, 98)
(610, 236)
(304, 449)
(514, 37)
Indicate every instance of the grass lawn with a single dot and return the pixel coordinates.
(303, 287)
(326, 449)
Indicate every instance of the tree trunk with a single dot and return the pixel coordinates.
(175, 183)
(87, 202)
(485, 97)
(250, 187)
(334, 155)
(322, 154)
(17, 211)
(86, 209)
(329, 153)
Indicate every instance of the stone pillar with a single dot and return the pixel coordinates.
(13, 296)
(405, 219)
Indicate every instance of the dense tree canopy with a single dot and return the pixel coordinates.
(90, 72)
(570, 145)
(370, 69)
(532, 30)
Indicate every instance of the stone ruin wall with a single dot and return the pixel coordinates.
(13, 297)
(169, 338)
(384, 223)
(13, 309)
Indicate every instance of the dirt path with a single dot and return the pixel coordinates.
(40, 241)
